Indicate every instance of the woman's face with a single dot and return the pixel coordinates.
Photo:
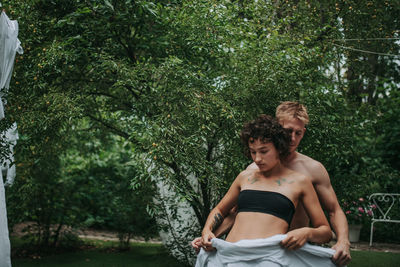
(264, 154)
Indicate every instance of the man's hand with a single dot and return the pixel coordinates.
(295, 239)
(342, 255)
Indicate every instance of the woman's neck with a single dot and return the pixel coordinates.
(277, 169)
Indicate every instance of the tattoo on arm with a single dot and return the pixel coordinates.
(218, 219)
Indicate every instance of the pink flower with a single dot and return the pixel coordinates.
(360, 209)
(348, 212)
(369, 212)
(361, 199)
(373, 206)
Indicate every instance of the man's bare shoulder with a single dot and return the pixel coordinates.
(309, 162)
(297, 176)
(312, 168)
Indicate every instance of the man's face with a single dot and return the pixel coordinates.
(296, 129)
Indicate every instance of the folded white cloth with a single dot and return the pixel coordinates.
(263, 252)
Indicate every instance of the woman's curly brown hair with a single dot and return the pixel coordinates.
(267, 129)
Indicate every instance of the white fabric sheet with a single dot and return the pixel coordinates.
(9, 45)
(11, 137)
(264, 252)
(1, 108)
(5, 260)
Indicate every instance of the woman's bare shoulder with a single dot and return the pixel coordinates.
(245, 175)
(247, 172)
(252, 166)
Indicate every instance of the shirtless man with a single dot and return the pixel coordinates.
(293, 116)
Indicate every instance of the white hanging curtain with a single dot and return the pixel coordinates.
(9, 46)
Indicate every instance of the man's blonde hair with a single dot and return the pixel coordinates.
(290, 110)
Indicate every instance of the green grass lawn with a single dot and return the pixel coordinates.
(153, 255)
(374, 259)
(139, 255)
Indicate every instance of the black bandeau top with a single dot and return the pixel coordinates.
(269, 202)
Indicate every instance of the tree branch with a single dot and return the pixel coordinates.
(126, 104)
(130, 89)
(109, 126)
(194, 201)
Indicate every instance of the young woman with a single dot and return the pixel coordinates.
(266, 200)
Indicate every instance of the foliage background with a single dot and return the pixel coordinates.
(114, 97)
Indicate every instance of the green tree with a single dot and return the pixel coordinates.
(177, 79)
(101, 166)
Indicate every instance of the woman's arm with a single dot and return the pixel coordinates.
(217, 215)
(321, 232)
(227, 224)
(224, 228)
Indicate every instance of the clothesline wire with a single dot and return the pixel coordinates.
(366, 51)
(366, 39)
